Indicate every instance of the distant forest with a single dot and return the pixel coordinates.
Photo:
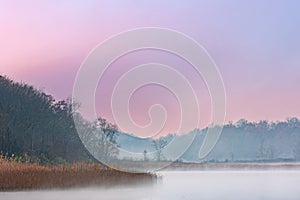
(260, 141)
(35, 125)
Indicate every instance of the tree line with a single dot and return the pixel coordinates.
(253, 141)
(35, 124)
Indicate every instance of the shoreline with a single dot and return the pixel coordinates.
(242, 166)
(26, 177)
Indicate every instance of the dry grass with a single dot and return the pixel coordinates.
(21, 176)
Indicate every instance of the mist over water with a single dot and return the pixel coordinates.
(221, 185)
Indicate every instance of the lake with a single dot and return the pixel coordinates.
(186, 185)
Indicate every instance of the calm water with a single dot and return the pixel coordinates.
(221, 185)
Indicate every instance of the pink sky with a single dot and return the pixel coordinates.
(256, 47)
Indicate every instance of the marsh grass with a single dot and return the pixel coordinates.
(24, 176)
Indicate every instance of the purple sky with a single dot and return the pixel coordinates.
(256, 46)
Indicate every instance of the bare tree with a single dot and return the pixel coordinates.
(159, 144)
(107, 138)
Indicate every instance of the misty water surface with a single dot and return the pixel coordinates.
(221, 185)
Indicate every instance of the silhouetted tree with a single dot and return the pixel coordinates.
(159, 144)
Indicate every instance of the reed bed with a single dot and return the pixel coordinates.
(24, 176)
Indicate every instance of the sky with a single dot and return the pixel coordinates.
(255, 44)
